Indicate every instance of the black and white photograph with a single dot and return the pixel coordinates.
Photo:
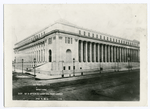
(76, 52)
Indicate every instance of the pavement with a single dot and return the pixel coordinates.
(40, 76)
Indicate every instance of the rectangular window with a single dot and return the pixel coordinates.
(65, 39)
(71, 40)
(79, 32)
(110, 39)
(84, 33)
(104, 37)
(93, 35)
(74, 67)
(100, 37)
(68, 67)
(107, 38)
(68, 40)
(89, 34)
(64, 67)
(96, 36)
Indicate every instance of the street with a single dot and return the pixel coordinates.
(120, 86)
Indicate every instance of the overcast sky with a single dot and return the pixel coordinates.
(122, 20)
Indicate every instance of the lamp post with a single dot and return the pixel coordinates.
(128, 63)
(73, 66)
(62, 69)
(22, 66)
(100, 66)
(34, 67)
(14, 63)
(118, 64)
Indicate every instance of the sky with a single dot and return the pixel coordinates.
(121, 20)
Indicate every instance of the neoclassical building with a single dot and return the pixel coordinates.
(66, 48)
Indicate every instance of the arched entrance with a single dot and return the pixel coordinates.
(68, 55)
(50, 55)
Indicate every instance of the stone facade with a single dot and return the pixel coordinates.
(66, 48)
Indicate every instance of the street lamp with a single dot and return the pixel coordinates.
(100, 66)
(14, 63)
(62, 69)
(73, 66)
(128, 63)
(22, 66)
(34, 67)
(118, 64)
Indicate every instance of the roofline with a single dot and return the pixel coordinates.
(35, 33)
(71, 33)
(75, 27)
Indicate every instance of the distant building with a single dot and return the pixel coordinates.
(55, 47)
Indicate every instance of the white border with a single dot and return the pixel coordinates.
(68, 2)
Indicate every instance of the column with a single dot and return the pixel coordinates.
(86, 53)
(105, 53)
(120, 54)
(90, 52)
(98, 52)
(94, 52)
(131, 54)
(116, 53)
(81, 51)
(102, 52)
(112, 53)
(127, 54)
(124, 54)
(108, 53)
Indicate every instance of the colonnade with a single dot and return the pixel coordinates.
(100, 52)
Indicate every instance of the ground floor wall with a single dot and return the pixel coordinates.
(78, 67)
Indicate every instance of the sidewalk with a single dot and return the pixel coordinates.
(40, 76)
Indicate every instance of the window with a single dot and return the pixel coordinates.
(68, 40)
(93, 35)
(96, 36)
(50, 41)
(107, 38)
(89, 34)
(71, 40)
(116, 40)
(119, 41)
(79, 32)
(84, 33)
(113, 40)
(104, 37)
(64, 67)
(110, 39)
(100, 37)
(68, 67)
